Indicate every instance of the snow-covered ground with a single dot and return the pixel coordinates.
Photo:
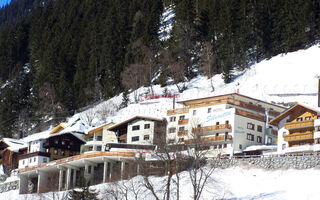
(237, 183)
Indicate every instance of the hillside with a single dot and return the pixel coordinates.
(85, 52)
(223, 184)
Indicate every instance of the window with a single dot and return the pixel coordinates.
(240, 146)
(55, 151)
(299, 119)
(209, 110)
(217, 123)
(259, 129)
(227, 122)
(318, 128)
(181, 117)
(308, 118)
(135, 138)
(269, 140)
(220, 146)
(99, 138)
(146, 137)
(250, 126)
(45, 160)
(181, 140)
(99, 148)
(170, 141)
(259, 139)
(215, 147)
(194, 112)
(62, 152)
(90, 138)
(250, 137)
(217, 134)
(56, 141)
(224, 145)
(136, 127)
(30, 160)
(90, 148)
(181, 128)
(23, 162)
(147, 126)
(283, 146)
(63, 142)
(34, 159)
(172, 119)
(172, 130)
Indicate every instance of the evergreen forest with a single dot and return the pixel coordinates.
(58, 56)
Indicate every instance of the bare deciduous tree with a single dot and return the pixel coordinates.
(207, 62)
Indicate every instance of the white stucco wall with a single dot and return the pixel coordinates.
(141, 132)
(32, 161)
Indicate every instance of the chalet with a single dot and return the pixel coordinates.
(97, 138)
(51, 145)
(299, 129)
(225, 124)
(140, 130)
(10, 149)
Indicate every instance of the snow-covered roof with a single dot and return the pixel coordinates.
(37, 136)
(260, 148)
(77, 135)
(14, 145)
(95, 129)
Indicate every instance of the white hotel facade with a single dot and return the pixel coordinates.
(226, 124)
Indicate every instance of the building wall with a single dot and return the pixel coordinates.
(36, 146)
(241, 132)
(109, 136)
(141, 133)
(32, 161)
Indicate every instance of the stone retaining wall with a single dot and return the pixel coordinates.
(274, 162)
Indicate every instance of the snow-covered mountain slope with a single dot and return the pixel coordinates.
(286, 78)
(236, 183)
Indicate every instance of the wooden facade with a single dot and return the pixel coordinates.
(61, 146)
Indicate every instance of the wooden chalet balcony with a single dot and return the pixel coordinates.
(298, 136)
(178, 111)
(211, 139)
(183, 133)
(205, 130)
(183, 121)
(297, 125)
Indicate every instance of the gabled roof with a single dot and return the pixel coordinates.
(116, 126)
(77, 135)
(187, 102)
(92, 131)
(13, 144)
(287, 112)
(58, 128)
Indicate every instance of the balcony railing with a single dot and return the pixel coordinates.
(298, 136)
(207, 129)
(183, 121)
(296, 125)
(182, 133)
(178, 111)
(209, 139)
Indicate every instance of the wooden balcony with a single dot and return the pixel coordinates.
(297, 125)
(211, 139)
(183, 121)
(183, 133)
(178, 111)
(207, 129)
(298, 136)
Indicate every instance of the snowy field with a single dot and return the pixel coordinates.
(237, 183)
